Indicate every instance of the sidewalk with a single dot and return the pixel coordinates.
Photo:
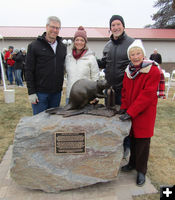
(121, 189)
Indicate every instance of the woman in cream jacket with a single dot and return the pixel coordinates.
(81, 63)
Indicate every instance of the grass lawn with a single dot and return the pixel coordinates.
(161, 166)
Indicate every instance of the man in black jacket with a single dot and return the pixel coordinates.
(44, 69)
(115, 61)
(115, 57)
(156, 57)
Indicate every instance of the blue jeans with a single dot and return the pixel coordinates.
(10, 71)
(67, 101)
(18, 78)
(46, 101)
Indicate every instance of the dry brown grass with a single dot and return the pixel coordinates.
(10, 115)
(161, 166)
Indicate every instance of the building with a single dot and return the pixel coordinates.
(161, 39)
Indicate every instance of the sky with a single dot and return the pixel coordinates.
(73, 13)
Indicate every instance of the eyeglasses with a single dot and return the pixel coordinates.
(54, 27)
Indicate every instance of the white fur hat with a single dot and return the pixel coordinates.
(137, 43)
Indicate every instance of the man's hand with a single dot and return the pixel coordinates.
(125, 117)
(33, 98)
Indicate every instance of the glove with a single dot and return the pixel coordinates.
(121, 112)
(125, 117)
(33, 98)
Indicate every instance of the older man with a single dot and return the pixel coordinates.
(156, 57)
(44, 70)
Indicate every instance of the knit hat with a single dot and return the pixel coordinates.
(137, 43)
(81, 33)
(116, 17)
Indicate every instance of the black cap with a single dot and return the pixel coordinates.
(116, 17)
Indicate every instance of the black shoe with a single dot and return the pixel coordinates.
(140, 179)
(127, 168)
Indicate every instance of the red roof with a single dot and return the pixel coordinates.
(92, 32)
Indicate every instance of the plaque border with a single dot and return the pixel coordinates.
(69, 152)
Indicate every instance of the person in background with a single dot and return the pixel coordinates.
(10, 64)
(23, 50)
(44, 69)
(18, 66)
(115, 60)
(139, 103)
(81, 62)
(156, 57)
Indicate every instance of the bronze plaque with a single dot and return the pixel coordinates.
(69, 143)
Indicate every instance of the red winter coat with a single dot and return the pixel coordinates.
(139, 98)
(10, 62)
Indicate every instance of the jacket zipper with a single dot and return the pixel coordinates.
(114, 56)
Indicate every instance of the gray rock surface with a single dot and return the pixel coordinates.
(35, 165)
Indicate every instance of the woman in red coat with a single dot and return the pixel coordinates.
(139, 101)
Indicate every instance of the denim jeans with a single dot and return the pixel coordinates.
(18, 77)
(67, 101)
(46, 101)
(10, 71)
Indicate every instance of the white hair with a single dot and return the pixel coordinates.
(53, 18)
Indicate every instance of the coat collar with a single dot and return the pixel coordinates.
(43, 38)
(142, 70)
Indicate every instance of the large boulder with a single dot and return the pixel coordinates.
(35, 164)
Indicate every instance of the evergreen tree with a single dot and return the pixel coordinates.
(165, 16)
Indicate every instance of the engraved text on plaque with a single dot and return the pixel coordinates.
(69, 142)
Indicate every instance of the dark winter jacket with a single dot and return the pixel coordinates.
(115, 60)
(156, 57)
(44, 70)
(19, 60)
